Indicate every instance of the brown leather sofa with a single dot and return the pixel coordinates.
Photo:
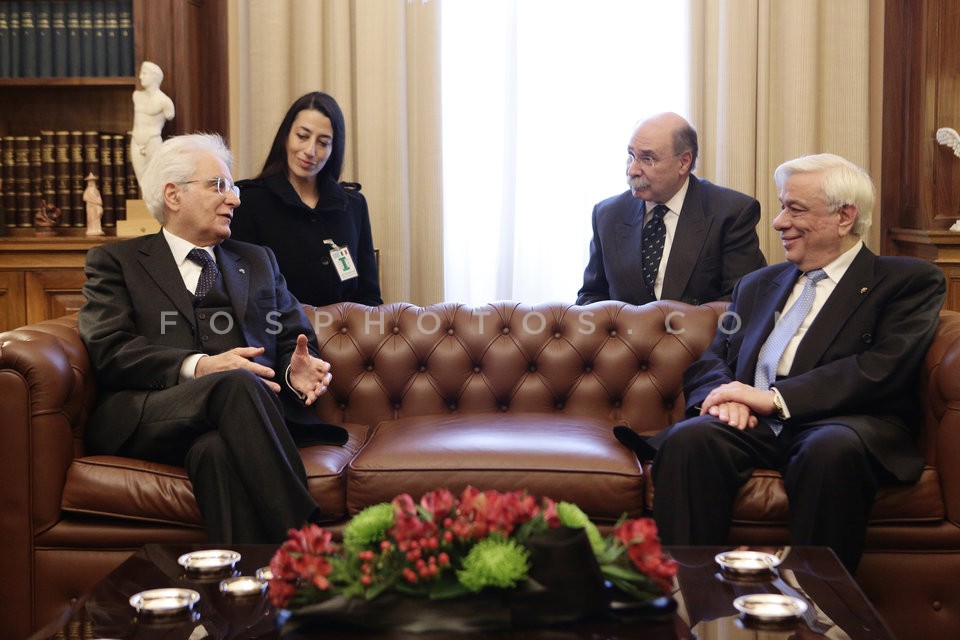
(500, 396)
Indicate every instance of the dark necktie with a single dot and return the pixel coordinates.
(208, 272)
(772, 350)
(654, 235)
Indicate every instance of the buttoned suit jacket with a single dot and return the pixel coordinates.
(715, 244)
(138, 325)
(858, 362)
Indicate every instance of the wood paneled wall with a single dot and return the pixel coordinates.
(920, 192)
(188, 39)
(921, 178)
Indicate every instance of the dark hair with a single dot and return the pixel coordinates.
(685, 139)
(277, 158)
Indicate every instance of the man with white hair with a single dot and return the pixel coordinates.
(203, 358)
(813, 374)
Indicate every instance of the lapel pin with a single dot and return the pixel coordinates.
(863, 290)
(244, 271)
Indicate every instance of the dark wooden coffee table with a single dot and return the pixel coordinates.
(705, 603)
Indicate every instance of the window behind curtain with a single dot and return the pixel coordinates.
(539, 101)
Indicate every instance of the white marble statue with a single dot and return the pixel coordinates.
(151, 110)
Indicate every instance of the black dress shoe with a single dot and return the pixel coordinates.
(635, 442)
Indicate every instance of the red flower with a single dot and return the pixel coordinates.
(486, 512)
(550, 513)
(303, 558)
(439, 504)
(639, 536)
(407, 524)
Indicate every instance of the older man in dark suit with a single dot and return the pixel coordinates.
(672, 236)
(203, 358)
(814, 374)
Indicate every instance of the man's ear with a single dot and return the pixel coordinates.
(848, 217)
(171, 196)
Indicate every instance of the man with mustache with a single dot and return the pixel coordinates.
(672, 236)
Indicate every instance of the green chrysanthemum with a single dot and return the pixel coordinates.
(368, 527)
(494, 562)
(573, 516)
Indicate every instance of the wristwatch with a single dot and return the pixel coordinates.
(778, 404)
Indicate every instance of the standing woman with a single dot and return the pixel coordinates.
(318, 228)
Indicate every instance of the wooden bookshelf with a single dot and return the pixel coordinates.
(42, 277)
(187, 38)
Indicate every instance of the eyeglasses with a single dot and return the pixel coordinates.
(648, 162)
(224, 187)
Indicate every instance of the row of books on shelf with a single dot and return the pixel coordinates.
(66, 38)
(50, 170)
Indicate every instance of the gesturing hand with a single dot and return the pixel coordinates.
(309, 376)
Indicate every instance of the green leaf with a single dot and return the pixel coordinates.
(417, 590)
(622, 573)
(448, 589)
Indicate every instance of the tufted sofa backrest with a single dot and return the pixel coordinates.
(606, 359)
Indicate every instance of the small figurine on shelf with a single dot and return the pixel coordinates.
(151, 110)
(91, 195)
(46, 218)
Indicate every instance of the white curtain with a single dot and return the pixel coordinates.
(775, 80)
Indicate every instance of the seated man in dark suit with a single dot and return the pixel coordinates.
(813, 375)
(672, 236)
(203, 358)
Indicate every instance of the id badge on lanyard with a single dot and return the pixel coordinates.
(342, 261)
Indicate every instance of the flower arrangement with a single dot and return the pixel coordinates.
(445, 547)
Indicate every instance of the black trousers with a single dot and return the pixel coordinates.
(228, 430)
(829, 476)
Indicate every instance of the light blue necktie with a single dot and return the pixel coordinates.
(785, 329)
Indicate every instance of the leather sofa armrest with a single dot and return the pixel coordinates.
(940, 393)
(48, 391)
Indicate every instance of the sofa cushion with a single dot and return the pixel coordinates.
(565, 457)
(119, 487)
(129, 489)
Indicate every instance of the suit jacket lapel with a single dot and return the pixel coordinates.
(849, 294)
(236, 278)
(629, 246)
(692, 227)
(158, 263)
